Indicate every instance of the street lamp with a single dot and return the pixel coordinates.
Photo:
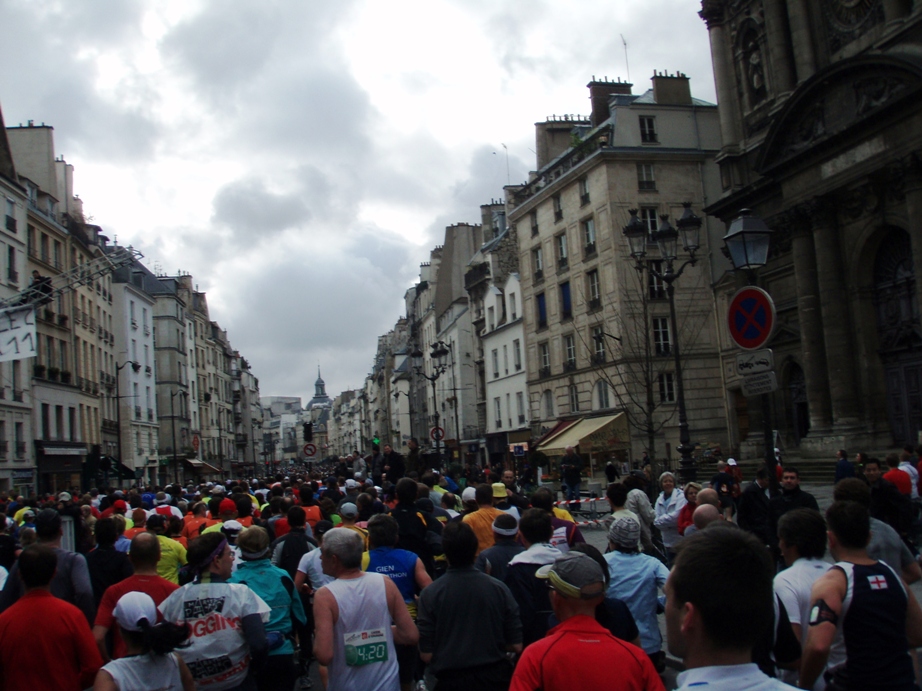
(136, 366)
(667, 239)
(746, 245)
(439, 356)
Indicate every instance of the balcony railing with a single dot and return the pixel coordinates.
(137, 412)
(544, 372)
(11, 224)
(150, 414)
(20, 449)
(17, 395)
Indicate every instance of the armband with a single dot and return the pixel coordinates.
(822, 613)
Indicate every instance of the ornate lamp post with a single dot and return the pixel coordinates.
(439, 356)
(746, 244)
(667, 238)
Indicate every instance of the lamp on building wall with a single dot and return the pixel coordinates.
(746, 245)
(667, 239)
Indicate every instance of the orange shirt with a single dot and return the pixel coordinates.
(481, 521)
(194, 526)
(131, 532)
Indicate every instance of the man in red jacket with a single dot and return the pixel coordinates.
(64, 655)
(577, 587)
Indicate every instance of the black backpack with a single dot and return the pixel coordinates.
(294, 546)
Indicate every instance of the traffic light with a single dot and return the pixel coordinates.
(376, 441)
(308, 431)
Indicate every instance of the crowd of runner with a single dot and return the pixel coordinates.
(390, 575)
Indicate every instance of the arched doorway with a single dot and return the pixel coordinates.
(796, 391)
(899, 340)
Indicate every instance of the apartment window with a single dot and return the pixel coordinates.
(46, 421)
(495, 356)
(566, 305)
(10, 215)
(647, 129)
(569, 350)
(598, 344)
(59, 422)
(19, 438)
(645, 179)
(534, 223)
(134, 350)
(520, 406)
(655, 285)
(498, 411)
(541, 303)
(573, 395)
(662, 336)
(512, 308)
(601, 394)
(58, 255)
(537, 263)
(506, 359)
(517, 354)
(146, 355)
(648, 216)
(72, 422)
(11, 273)
(491, 318)
(547, 400)
(666, 388)
(561, 246)
(589, 235)
(583, 191)
(593, 289)
(131, 312)
(558, 209)
(544, 359)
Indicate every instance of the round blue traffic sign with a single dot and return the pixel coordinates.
(751, 318)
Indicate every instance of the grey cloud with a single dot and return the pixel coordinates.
(249, 209)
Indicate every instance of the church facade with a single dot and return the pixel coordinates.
(821, 128)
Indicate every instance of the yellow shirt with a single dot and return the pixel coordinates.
(564, 514)
(172, 558)
(481, 521)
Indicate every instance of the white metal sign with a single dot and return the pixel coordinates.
(758, 384)
(756, 362)
(17, 333)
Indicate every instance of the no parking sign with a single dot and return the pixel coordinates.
(751, 318)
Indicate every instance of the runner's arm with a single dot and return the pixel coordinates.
(104, 682)
(99, 633)
(825, 609)
(188, 682)
(913, 621)
(422, 576)
(324, 618)
(405, 631)
(302, 584)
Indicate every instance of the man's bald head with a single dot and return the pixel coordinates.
(144, 552)
(708, 496)
(705, 515)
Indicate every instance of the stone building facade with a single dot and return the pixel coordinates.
(599, 342)
(821, 135)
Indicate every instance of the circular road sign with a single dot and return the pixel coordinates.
(437, 434)
(309, 449)
(751, 318)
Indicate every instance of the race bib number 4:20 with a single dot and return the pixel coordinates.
(365, 647)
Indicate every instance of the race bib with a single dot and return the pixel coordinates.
(365, 647)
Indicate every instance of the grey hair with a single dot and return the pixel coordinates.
(346, 545)
(666, 474)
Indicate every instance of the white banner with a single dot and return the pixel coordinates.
(17, 333)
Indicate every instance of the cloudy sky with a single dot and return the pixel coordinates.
(299, 158)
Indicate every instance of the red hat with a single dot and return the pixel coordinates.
(227, 506)
(119, 505)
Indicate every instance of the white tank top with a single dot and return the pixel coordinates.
(146, 673)
(364, 656)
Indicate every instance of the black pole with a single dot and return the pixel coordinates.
(435, 417)
(688, 472)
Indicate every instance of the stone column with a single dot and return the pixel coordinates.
(912, 181)
(801, 39)
(722, 57)
(837, 329)
(810, 320)
(779, 47)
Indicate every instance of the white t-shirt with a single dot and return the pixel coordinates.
(793, 586)
(219, 656)
(310, 565)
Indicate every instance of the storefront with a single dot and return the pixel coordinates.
(596, 439)
(60, 466)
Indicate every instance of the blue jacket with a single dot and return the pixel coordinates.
(272, 585)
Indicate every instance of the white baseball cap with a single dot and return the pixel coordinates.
(132, 608)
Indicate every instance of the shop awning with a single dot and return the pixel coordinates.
(201, 467)
(597, 434)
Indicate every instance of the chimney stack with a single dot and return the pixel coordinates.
(599, 93)
(671, 89)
